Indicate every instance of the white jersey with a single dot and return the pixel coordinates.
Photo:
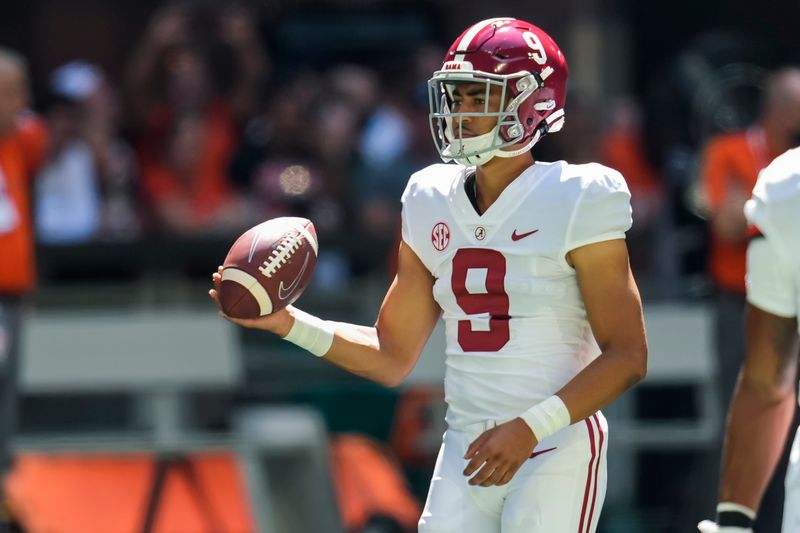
(515, 322)
(773, 278)
(773, 275)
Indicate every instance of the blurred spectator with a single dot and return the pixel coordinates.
(730, 165)
(622, 148)
(87, 188)
(188, 120)
(22, 145)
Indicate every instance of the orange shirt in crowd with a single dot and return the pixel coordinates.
(622, 150)
(21, 153)
(731, 161)
(210, 188)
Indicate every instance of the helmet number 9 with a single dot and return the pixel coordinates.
(532, 40)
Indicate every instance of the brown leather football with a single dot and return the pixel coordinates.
(268, 267)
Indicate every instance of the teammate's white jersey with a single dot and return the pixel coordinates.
(515, 321)
(773, 275)
(773, 282)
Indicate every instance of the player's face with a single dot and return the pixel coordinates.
(472, 98)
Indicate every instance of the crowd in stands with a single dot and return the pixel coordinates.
(208, 131)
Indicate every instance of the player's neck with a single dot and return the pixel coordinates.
(492, 178)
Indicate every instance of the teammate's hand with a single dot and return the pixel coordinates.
(707, 526)
(499, 452)
(279, 322)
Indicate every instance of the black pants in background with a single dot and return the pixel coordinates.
(10, 319)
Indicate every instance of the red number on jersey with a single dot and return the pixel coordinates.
(494, 301)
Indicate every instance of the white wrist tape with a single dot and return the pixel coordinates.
(311, 333)
(547, 417)
(726, 507)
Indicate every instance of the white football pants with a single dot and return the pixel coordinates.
(791, 502)
(559, 490)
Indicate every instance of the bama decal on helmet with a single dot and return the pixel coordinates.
(457, 65)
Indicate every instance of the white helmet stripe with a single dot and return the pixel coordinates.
(463, 45)
(554, 115)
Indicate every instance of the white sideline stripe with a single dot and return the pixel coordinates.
(252, 285)
(473, 31)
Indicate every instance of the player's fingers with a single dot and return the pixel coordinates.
(474, 464)
(244, 322)
(220, 268)
(509, 474)
(215, 297)
(495, 477)
(475, 446)
(483, 474)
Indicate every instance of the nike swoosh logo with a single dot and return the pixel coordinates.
(285, 292)
(534, 454)
(517, 236)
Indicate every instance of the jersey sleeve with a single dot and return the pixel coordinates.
(405, 199)
(602, 212)
(771, 281)
(773, 207)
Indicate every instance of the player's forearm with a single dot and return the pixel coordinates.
(756, 434)
(358, 350)
(604, 380)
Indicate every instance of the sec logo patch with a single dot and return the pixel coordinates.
(440, 236)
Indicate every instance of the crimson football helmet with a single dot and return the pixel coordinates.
(531, 72)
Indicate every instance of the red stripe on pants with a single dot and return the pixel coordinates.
(596, 470)
(589, 475)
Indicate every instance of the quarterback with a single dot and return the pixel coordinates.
(764, 402)
(526, 263)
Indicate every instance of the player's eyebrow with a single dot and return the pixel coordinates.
(474, 90)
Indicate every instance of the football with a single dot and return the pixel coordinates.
(268, 267)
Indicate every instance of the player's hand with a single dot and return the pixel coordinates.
(279, 322)
(498, 453)
(707, 526)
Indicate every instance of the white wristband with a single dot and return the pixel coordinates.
(310, 333)
(547, 417)
(726, 507)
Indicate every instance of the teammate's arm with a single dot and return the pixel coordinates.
(387, 352)
(614, 310)
(761, 409)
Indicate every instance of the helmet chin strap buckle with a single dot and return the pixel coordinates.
(546, 105)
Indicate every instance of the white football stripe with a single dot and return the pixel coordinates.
(310, 238)
(252, 285)
(254, 244)
(463, 45)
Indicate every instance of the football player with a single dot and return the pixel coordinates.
(764, 402)
(527, 264)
